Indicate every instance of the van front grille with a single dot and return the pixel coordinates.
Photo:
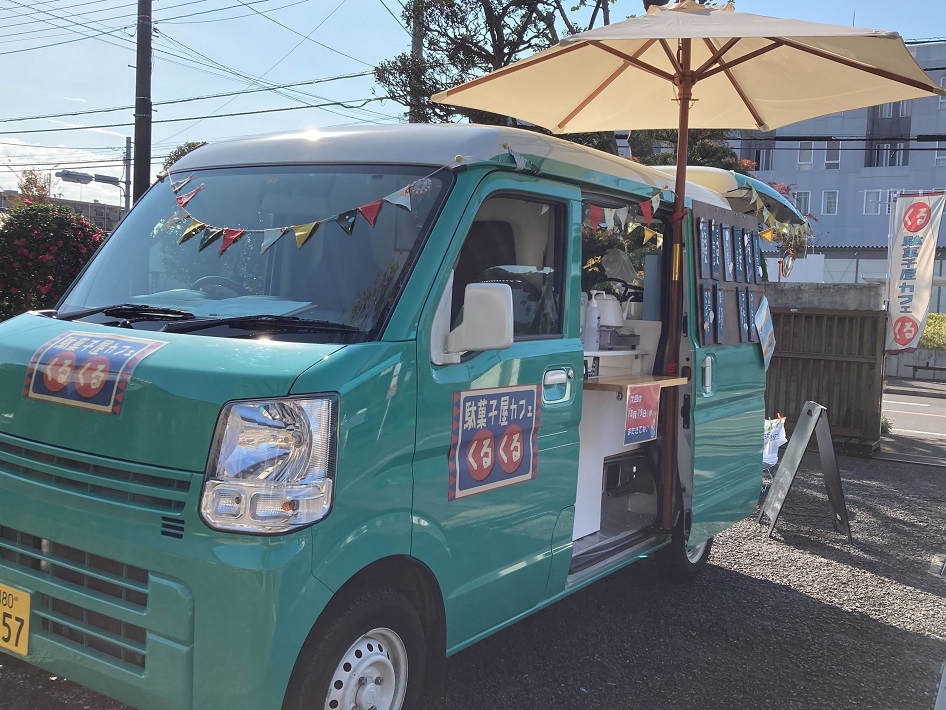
(90, 630)
(146, 487)
(92, 574)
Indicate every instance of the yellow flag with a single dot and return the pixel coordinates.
(767, 234)
(191, 231)
(303, 232)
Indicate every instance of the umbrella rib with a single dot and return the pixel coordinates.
(883, 73)
(594, 94)
(735, 85)
(670, 55)
(736, 62)
(649, 68)
(717, 56)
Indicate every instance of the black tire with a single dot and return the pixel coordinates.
(341, 633)
(679, 562)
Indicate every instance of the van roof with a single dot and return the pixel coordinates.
(423, 144)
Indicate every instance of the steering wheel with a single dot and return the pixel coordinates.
(529, 289)
(230, 284)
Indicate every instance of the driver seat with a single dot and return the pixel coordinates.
(489, 243)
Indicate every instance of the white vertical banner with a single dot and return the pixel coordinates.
(912, 252)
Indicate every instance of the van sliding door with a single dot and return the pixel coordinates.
(729, 378)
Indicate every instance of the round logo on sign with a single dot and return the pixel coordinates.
(510, 448)
(58, 371)
(91, 376)
(480, 455)
(917, 216)
(905, 329)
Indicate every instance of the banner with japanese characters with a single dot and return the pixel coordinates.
(912, 252)
(86, 370)
(494, 441)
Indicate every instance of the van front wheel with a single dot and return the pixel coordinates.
(371, 655)
(680, 560)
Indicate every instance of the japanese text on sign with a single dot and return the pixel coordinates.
(495, 439)
(86, 370)
(643, 404)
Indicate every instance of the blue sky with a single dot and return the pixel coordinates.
(46, 67)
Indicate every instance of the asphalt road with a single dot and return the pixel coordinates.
(801, 621)
(916, 415)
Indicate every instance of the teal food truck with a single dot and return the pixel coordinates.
(318, 415)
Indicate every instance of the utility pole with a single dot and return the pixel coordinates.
(417, 60)
(127, 173)
(143, 101)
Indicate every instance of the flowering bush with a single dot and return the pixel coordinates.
(42, 249)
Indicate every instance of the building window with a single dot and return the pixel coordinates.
(872, 201)
(940, 153)
(906, 108)
(803, 202)
(762, 157)
(829, 202)
(805, 151)
(832, 155)
(889, 155)
(885, 111)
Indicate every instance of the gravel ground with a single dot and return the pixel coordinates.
(799, 621)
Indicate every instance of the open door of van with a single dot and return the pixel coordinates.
(728, 375)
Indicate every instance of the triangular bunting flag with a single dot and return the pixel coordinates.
(655, 203)
(759, 204)
(370, 211)
(595, 215)
(401, 198)
(194, 229)
(622, 217)
(230, 237)
(184, 199)
(346, 220)
(650, 234)
(211, 235)
(608, 218)
(647, 211)
(304, 231)
(176, 187)
(770, 220)
(660, 240)
(175, 218)
(767, 234)
(270, 236)
(765, 214)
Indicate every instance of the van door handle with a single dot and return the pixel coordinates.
(708, 385)
(556, 377)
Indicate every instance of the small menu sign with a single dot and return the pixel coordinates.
(643, 403)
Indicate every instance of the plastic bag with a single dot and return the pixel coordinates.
(774, 438)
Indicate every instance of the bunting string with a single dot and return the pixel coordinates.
(228, 236)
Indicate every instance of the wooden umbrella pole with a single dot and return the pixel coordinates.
(668, 459)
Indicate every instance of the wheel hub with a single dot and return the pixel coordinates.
(372, 675)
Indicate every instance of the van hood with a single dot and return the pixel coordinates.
(160, 401)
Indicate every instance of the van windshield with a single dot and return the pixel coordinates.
(332, 244)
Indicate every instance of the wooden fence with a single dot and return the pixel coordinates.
(835, 358)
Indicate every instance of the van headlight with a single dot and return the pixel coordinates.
(272, 465)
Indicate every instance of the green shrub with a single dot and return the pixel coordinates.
(934, 335)
(42, 249)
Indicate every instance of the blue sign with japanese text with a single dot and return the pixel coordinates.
(494, 442)
(86, 370)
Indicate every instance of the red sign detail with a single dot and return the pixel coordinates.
(479, 455)
(91, 376)
(58, 372)
(905, 329)
(917, 216)
(510, 448)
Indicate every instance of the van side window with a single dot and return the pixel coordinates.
(520, 242)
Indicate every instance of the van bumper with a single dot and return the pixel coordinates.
(152, 613)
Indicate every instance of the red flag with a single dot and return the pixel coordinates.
(370, 211)
(647, 211)
(595, 214)
(184, 199)
(230, 237)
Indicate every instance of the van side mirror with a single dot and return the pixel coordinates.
(487, 322)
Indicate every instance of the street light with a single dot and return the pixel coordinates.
(86, 178)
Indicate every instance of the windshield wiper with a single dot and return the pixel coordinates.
(131, 311)
(264, 322)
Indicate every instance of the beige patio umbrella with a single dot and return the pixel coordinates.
(689, 65)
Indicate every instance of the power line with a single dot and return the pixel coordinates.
(200, 118)
(396, 18)
(233, 17)
(86, 112)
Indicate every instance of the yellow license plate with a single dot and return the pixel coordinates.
(14, 619)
